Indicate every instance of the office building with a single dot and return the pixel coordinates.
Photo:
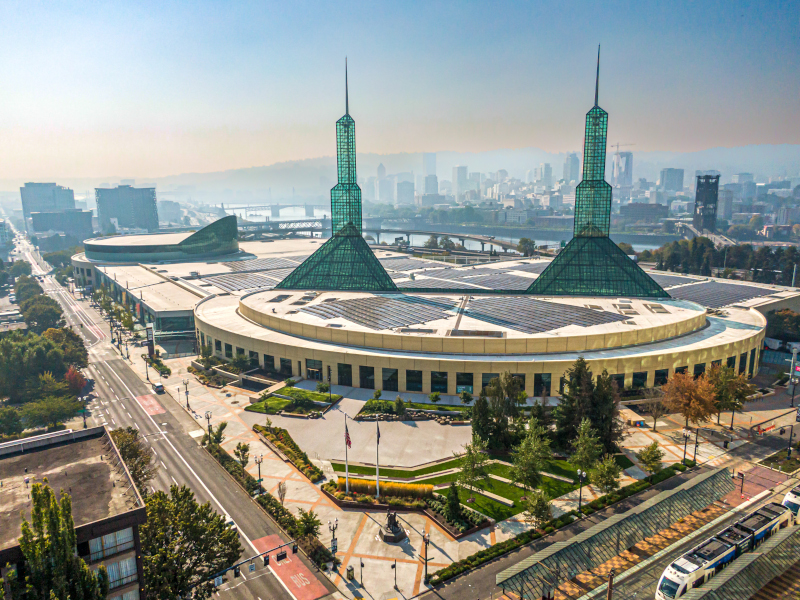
(742, 177)
(641, 212)
(431, 185)
(169, 211)
(546, 175)
(6, 234)
(381, 171)
(107, 509)
(126, 207)
(45, 197)
(672, 180)
(725, 204)
(530, 176)
(572, 168)
(622, 170)
(76, 223)
(386, 190)
(705, 203)
(428, 164)
(459, 181)
(405, 193)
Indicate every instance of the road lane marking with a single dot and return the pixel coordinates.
(173, 479)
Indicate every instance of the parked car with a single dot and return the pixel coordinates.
(158, 388)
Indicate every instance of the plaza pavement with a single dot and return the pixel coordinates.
(402, 444)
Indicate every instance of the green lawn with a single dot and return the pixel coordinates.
(487, 506)
(270, 406)
(623, 461)
(300, 394)
(778, 461)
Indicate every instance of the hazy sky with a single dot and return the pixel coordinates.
(145, 89)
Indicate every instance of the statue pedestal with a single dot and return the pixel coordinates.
(392, 536)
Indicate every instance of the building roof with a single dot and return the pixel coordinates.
(144, 239)
(84, 464)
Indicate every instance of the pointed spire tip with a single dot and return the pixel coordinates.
(346, 90)
(597, 80)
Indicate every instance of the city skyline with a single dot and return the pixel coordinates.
(150, 90)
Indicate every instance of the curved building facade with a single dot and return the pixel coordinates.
(218, 238)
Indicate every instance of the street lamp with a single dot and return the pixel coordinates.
(146, 370)
(686, 435)
(208, 418)
(186, 387)
(332, 527)
(394, 568)
(258, 460)
(426, 539)
(581, 478)
(696, 432)
(330, 397)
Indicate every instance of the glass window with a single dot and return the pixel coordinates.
(731, 362)
(486, 378)
(541, 384)
(683, 370)
(366, 377)
(699, 369)
(112, 543)
(752, 366)
(239, 350)
(562, 382)
(390, 380)
(742, 363)
(345, 374)
(463, 382)
(639, 380)
(716, 363)
(269, 362)
(414, 381)
(228, 351)
(217, 346)
(314, 369)
(520, 377)
(439, 381)
(619, 379)
(253, 358)
(661, 376)
(286, 367)
(202, 339)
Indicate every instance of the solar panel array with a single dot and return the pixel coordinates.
(530, 267)
(445, 284)
(462, 273)
(713, 294)
(529, 315)
(502, 282)
(666, 281)
(262, 264)
(385, 312)
(407, 264)
(278, 274)
(240, 281)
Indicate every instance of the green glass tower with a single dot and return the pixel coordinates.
(346, 195)
(345, 262)
(591, 264)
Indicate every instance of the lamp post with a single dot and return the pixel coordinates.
(332, 527)
(686, 435)
(208, 419)
(426, 539)
(791, 376)
(696, 431)
(581, 479)
(394, 568)
(258, 460)
(186, 387)
(361, 583)
(146, 370)
(330, 397)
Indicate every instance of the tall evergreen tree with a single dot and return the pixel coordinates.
(604, 414)
(575, 402)
(481, 419)
(53, 571)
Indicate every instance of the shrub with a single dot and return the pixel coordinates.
(548, 529)
(388, 488)
(281, 438)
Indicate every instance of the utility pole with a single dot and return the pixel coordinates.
(610, 592)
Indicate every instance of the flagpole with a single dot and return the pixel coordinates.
(346, 464)
(378, 464)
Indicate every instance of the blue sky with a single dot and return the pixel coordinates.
(157, 88)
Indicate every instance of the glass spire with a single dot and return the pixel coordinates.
(346, 195)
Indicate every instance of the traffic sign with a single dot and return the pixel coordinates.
(252, 568)
(217, 581)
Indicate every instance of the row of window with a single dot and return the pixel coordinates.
(389, 381)
(132, 595)
(113, 543)
(120, 573)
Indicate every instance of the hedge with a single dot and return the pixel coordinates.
(281, 438)
(388, 488)
(527, 537)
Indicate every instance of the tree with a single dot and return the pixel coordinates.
(205, 355)
(504, 396)
(481, 419)
(54, 571)
(323, 387)
(730, 390)
(604, 413)
(606, 474)
(10, 422)
(656, 409)
(538, 508)
(217, 436)
(575, 402)
(453, 502)
(474, 465)
(526, 247)
(20, 268)
(432, 243)
(50, 411)
(586, 447)
(42, 313)
(240, 361)
(183, 544)
(376, 395)
(531, 456)
(136, 455)
(399, 406)
(242, 453)
(282, 491)
(434, 397)
(71, 344)
(308, 524)
(466, 397)
(692, 398)
(75, 381)
(650, 457)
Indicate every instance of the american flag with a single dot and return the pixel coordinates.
(347, 437)
(379, 433)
